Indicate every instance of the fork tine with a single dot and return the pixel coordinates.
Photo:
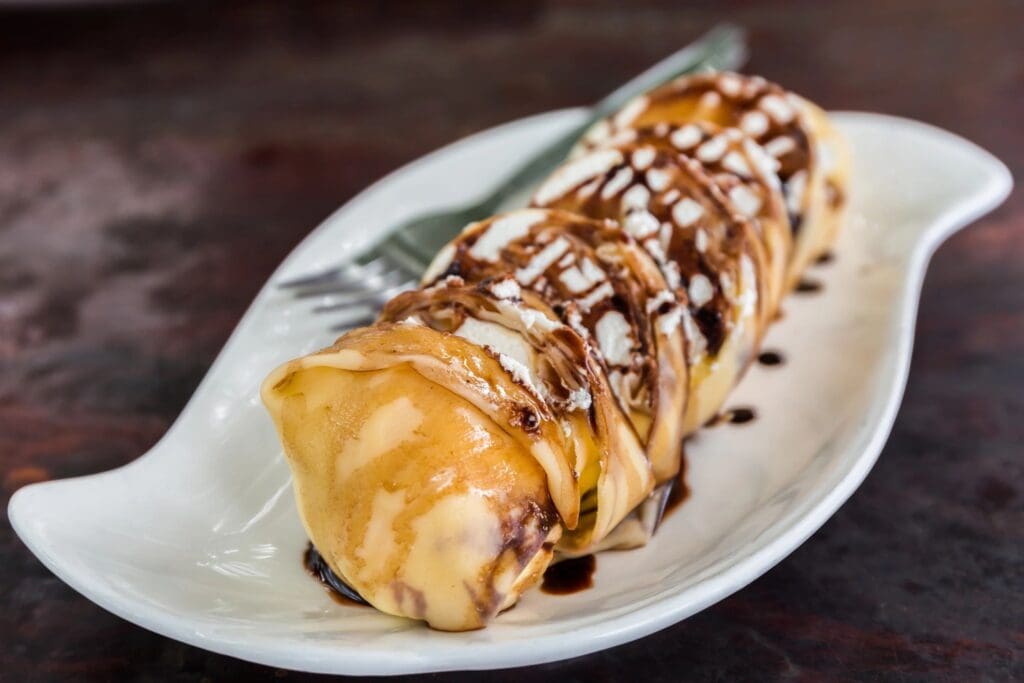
(361, 298)
(369, 284)
(400, 257)
(346, 272)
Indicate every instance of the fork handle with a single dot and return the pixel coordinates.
(722, 48)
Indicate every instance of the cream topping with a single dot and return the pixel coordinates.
(542, 261)
(700, 290)
(504, 230)
(746, 200)
(573, 173)
(686, 212)
(657, 179)
(614, 338)
(636, 197)
(642, 158)
(640, 223)
(686, 137)
(620, 181)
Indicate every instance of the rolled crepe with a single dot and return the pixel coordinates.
(606, 288)
(744, 172)
(555, 363)
(711, 256)
(429, 479)
(531, 397)
(813, 158)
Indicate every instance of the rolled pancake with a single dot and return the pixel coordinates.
(554, 361)
(606, 288)
(533, 392)
(813, 158)
(744, 172)
(710, 255)
(428, 479)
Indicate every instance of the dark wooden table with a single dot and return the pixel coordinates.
(157, 162)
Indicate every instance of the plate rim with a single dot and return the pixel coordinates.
(614, 630)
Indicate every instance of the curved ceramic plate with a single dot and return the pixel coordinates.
(198, 539)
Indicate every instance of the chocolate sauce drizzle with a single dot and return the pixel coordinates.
(340, 591)
(771, 358)
(808, 286)
(569, 576)
(736, 416)
(826, 258)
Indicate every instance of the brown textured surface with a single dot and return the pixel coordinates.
(156, 162)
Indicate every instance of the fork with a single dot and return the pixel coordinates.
(359, 287)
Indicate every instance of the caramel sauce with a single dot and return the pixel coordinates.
(807, 286)
(340, 592)
(771, 358)
(569, 576)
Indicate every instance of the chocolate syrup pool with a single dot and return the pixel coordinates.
(569, 576)
(338, 589)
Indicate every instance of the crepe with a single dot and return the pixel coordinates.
(813, 159)
(712, 257)
(529, 401)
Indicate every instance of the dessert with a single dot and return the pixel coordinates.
(813, 162)
(530, 400)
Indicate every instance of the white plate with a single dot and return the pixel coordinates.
(199, 540)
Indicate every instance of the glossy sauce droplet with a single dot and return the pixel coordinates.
(771, 358)
(569, 576)
(808, 286)
(738, 416)
(341, 592)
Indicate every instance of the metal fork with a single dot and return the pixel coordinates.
(358, 288)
